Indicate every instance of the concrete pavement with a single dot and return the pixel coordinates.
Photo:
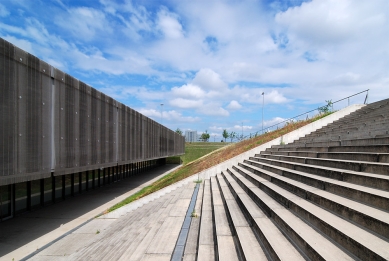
(31, 231)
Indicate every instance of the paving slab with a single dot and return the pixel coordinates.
(226, 248)
(26, 233)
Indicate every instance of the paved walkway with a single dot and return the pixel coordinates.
(25, 234)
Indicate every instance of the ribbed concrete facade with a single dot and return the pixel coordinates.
(53, 124)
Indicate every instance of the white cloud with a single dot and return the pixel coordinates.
(188, 91)
(272, 122)
(209, 80)
(215, 128)
(250, 95)
(23, 44)
(186, 103)
(331, 21)
(168, 23)
(234, 105)
(3, 11)
(244, 127)
(213, 109)
(84, 21)
(171, 115)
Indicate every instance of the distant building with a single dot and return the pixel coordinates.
(190, 136)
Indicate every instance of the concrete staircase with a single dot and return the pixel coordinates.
(323, 197)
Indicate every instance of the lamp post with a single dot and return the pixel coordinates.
(242, 130)
(161, 113)
(263, 102)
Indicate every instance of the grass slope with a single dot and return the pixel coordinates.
(215, 157)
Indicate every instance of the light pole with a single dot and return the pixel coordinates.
(161, 113)
(263, 102)
(242, 130)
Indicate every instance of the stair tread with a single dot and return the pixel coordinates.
(316, 240)
(249, 243)
(226, 248)
(377, 192)
(281, 245)
(251, 248)
(360, 207)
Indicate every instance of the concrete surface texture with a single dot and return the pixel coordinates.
(31, 231)
(149, 233)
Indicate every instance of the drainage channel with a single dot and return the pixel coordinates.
(181, 241)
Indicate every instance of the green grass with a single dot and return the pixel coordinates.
(196, 150)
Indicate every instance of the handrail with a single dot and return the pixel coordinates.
(322, 107)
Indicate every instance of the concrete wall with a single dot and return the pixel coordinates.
(54, 123)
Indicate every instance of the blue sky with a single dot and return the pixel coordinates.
(209, 62)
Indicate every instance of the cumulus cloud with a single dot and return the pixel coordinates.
(234, 105)
(250, 95)
(244, 127)
(168, 23)
(171, 115)
(186, 103)
(188, 91)
(213, 110)
(209, 80)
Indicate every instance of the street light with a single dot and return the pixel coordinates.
(161, 113)
(263, 102)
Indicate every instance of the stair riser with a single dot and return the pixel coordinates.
(342, 239)
(233, 226)
(361, 196)
(375, 149)
(363, 142)
(355, 216)
(307, 169)
(258, 233)
(339, 175)
(283, 226)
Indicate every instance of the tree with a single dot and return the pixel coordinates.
(179, 131)
(326, 108)
(225, 134)
(205, 136)
(232, 135)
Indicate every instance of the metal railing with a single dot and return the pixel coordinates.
(319, 109)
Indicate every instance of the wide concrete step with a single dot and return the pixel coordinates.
(379, 131)
(312, 244)
(226, 249)
(356, 240)
(346, 148)
(368, 217)
(276, 245)
(370, 196)
(351, 175)
(247, 243)
(354, 156)
(349, 122)
(206, 243)
(384, 140)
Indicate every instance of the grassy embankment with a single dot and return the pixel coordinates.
(196, 162)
